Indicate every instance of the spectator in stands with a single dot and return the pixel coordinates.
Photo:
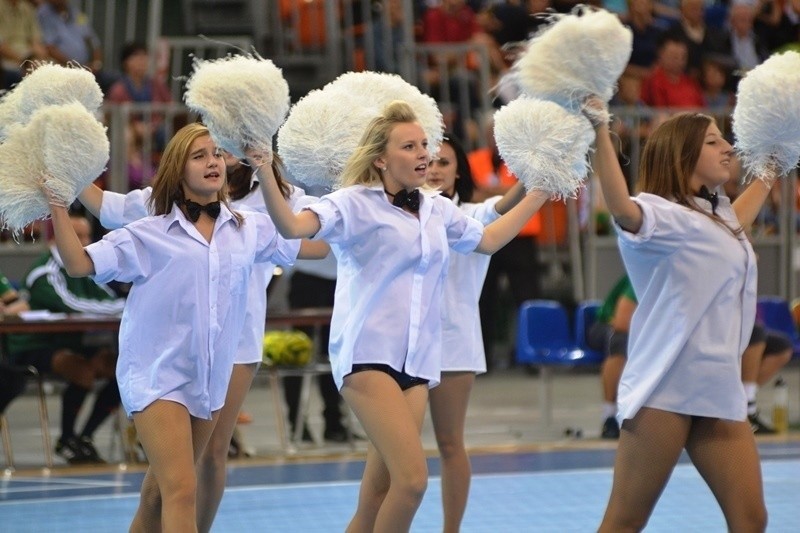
(700, 38)
(646, 33)
(782, 21)
(518, 260)
(669, 85)
(609, 335)
(743, 43)
(454, 22)
(715, 80)
(136, 85)
(20, 39)
(68, 37)
(80, 360)
(11, 303)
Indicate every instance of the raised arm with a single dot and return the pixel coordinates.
(501, 231)
(748, 204)
(92, 199)
(76, 261)
(290, 225)
(615, 189)
(511, 198)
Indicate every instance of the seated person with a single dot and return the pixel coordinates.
(68, 37)
(72, 357)
(10, 301)
(12, 381)
(20, 39)
(609, 335)
(766, 353)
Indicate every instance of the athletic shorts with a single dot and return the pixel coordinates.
(404, 380)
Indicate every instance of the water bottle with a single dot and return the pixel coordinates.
(780, 408)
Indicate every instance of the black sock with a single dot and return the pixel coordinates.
(71, 402)
(106, 403)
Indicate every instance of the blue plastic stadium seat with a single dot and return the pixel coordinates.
(585, 316)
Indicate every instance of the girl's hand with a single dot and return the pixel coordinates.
(596, 110)
(257, 158)
(52, 199)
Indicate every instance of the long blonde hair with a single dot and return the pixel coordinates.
(360, 168)
(167, 188)
(670, 157)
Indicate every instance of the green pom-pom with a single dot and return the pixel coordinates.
(287, 348)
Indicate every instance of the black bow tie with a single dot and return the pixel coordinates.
(403, 198)
(193, 209)
(707, 195)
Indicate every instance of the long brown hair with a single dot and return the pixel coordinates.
(239, 179)
(669, 159)
(167, 189)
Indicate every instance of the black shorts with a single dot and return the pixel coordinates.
(776, 342)
(602, 338)
(401, 378)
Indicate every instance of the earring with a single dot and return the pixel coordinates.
(383, 169)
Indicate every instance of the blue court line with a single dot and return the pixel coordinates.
(572, 500)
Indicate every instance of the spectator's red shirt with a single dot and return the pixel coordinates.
(659, 90)
(442, 27)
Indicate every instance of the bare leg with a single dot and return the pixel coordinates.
(392, 420)
(211, 471)
(649, 447)
(751, 361)
(449, 412)
(610, 374)
(173, 441)
(726, 456)
(771, 365)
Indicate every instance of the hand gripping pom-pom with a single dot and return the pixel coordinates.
(64, 146)
(579, 54)
(287, 348)
(544, 145)
(766, 120)
(243, 101)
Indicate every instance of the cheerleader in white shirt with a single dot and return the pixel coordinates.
(694, 273)
(114, 210)
(189, 264)
(462, 343)
(391, 241)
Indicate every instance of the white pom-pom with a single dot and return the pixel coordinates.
(766, 119)
(243, 101)
(319, 137)
(48, 85)
(544, 145)
(579, 54)
(378, 89)
(63, 144)
(324, 128)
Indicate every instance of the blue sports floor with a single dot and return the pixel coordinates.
(547, 491)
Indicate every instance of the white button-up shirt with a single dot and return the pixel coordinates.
(462, 339)
(391, 271)
(696, 286)
(184, 314)
(118, 210)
